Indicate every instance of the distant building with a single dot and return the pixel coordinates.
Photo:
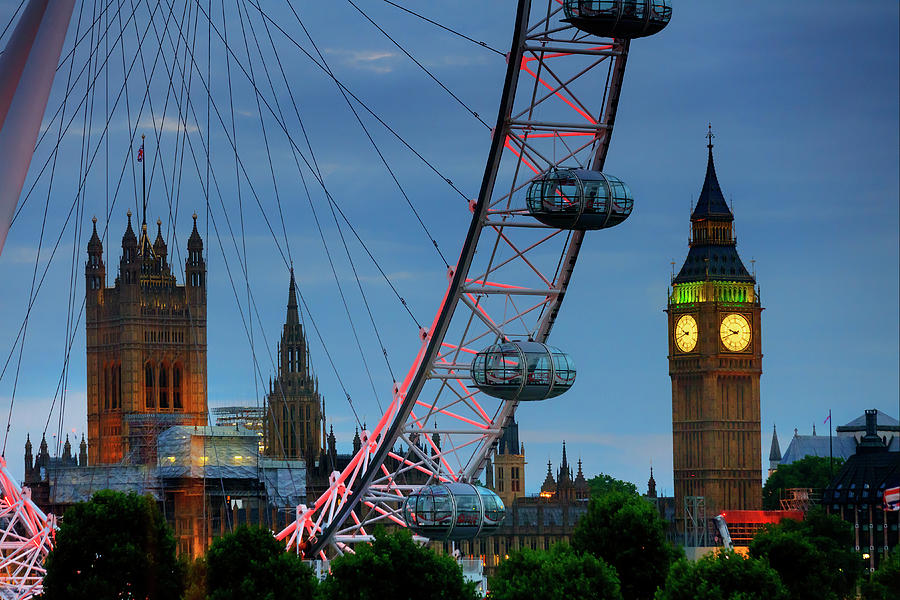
(858, 492)
(535, 522)
(715, 363)
(147, 407)
(843, 445)
(206, 481)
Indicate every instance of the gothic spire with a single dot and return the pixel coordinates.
(293, 316)
(711, 204)
(95, 246)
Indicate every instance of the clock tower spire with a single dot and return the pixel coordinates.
(715, 362)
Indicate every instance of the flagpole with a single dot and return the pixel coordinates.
(143, 182)
(830, 447)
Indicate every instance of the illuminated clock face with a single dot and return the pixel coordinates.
(686, 333)
(735, 332)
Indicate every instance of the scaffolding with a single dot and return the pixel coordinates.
(696, 526)
(142, 430)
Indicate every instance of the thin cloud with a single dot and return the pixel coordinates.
(375, 61)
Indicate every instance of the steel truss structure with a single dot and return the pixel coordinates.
(26, 538)
(558, 107)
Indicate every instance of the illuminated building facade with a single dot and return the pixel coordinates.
(146, 346)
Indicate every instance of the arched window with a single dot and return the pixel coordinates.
(117, 386)
(148, 386)
(106, 391)
(176, 387)
(163, 386)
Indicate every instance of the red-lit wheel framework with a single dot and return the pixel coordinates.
(509, 283)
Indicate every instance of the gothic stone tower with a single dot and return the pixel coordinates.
(295, 412)
(146, 346)
(715, 362)
(509, 465)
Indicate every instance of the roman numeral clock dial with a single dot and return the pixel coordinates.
(735, 332)
(686, 333)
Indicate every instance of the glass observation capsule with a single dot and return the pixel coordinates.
(453, 511)
(579, 199)
(618, 18)
(523, 371)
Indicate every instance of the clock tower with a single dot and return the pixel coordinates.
(715, 362)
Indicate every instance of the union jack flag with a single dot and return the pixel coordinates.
(141, 153)
(892, 498)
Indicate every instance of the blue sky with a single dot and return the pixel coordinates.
(802, 98)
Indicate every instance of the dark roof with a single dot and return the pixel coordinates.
(802, 446)
(864, 477)
(884, 421)
(711, 204)
(715, 263)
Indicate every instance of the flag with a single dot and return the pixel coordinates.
(828, 418)
(892, 498)
(141, 153)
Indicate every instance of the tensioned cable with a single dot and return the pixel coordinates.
(321, 183)
(359, 101)
(49, 125)
(31, 293)
(71, 209)
(12, 17)
(313, 157)
(374, 144)
(420, 65)
(445, 28)
(218, 237)
(311, 205)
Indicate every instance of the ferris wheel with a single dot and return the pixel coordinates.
(485, 351)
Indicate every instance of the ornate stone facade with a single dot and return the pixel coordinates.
(146, 346)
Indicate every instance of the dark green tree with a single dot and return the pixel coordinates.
(723, 575)
(604, 484)
(813, 557)
(394, 566)
(251, 563)
(627, 532)
(556, 574)
(194, 579)
(885, 582)
(113, 546)
(808, 472)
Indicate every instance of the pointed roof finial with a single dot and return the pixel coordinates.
(710, 135)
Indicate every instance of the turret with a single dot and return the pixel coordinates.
(82, 453)
(159, 248)
(582, 490)
(29, 458)
(67, 452)
(651, 485)
(357, 443)
(128, 264)
(774, 452)
(43, 460)
(94, 269)
(195, 267)
(548, 488)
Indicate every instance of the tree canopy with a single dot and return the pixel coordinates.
(394, 566)
(808, 472)
(251, 563)
(813, 557)
(627, 532)
(722, 575)
(113, 546)
(885, 582)
(604, 484)
(556, 574)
